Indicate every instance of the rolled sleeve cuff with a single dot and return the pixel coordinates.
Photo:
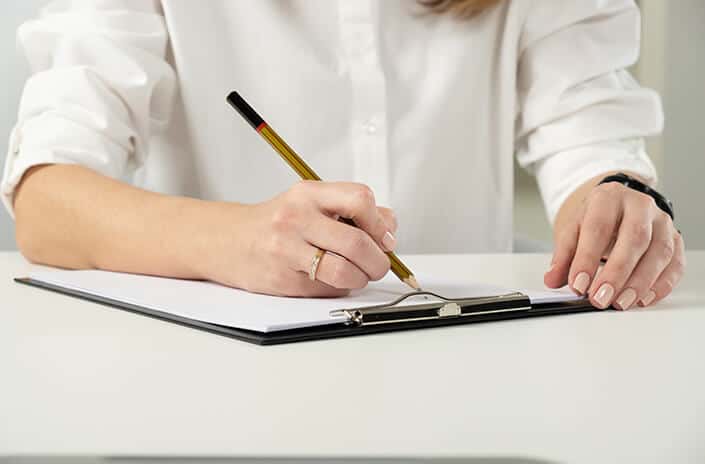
(15, 169)
(560, 175)
(88, 149)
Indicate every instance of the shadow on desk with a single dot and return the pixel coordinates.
(264, 460)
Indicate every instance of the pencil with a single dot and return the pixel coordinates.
(305, 172)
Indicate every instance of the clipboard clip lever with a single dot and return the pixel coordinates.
(443, 309)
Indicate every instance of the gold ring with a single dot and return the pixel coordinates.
(314, 263)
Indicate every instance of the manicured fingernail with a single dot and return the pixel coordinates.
(649, 298)
(626, 299)
(604, 295)
(389, 241)
(581, 282)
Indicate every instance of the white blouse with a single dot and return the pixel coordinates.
(428, 110)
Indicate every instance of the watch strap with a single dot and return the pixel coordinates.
(628, 181)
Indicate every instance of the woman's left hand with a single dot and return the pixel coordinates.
(646, 252)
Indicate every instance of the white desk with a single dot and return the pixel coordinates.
(79, 378)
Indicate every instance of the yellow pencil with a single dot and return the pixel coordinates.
(305, 171)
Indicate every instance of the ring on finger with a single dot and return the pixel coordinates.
(315, 262)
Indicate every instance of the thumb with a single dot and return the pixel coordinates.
(566, 243)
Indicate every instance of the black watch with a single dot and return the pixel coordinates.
(628, 181)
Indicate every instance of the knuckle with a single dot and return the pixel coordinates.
(665, 248)
(644, 201)
(639, 234)
(679, 264)
(662, 216)
(610, 188)
(678, 240)
(682, 262)
(364, 197)
(387, 214)
(598, 227)
(358, 244)
(284, 217)
(666, 286)
(302, 187)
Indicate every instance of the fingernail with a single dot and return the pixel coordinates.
(604, 295)
(389, 241)
(649, 298)
(626, 299)
(581, 282)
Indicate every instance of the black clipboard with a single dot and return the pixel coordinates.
(361, 321)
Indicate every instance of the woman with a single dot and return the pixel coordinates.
(419, 107)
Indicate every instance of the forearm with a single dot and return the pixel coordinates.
(72, 217)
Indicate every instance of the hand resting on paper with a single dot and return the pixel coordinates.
(646, 254)
(279, 238)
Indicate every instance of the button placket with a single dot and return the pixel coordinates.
(368, 137)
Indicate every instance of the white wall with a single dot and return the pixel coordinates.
(13, 75)
(684, 105)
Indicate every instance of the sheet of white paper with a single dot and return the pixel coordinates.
(216, 304)
(548, 295)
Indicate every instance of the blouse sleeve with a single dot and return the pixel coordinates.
(581, 113)
(99, 86)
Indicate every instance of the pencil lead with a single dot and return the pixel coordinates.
(411, 282)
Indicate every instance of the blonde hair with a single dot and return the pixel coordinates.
(458, 8)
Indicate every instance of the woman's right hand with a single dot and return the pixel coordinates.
(270, 246)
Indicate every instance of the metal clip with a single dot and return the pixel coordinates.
(446, 308)
(449, 310)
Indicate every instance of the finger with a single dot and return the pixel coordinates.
(355, 245)
(566, 244)
(336, 271)
(652, 263)
(633, 240)
(596, 230)
(670, 276)
(285, 281)
(332, 270)
(299, 285)
(355, 202)
(389, 218)
(292, 259)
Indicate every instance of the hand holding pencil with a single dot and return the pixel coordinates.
(361, 231)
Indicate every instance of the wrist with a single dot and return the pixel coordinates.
(573, 205)
(208, 231)
(638, 185)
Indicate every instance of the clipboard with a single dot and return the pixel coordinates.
(363, 320)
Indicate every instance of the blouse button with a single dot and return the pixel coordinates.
(370, 126)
